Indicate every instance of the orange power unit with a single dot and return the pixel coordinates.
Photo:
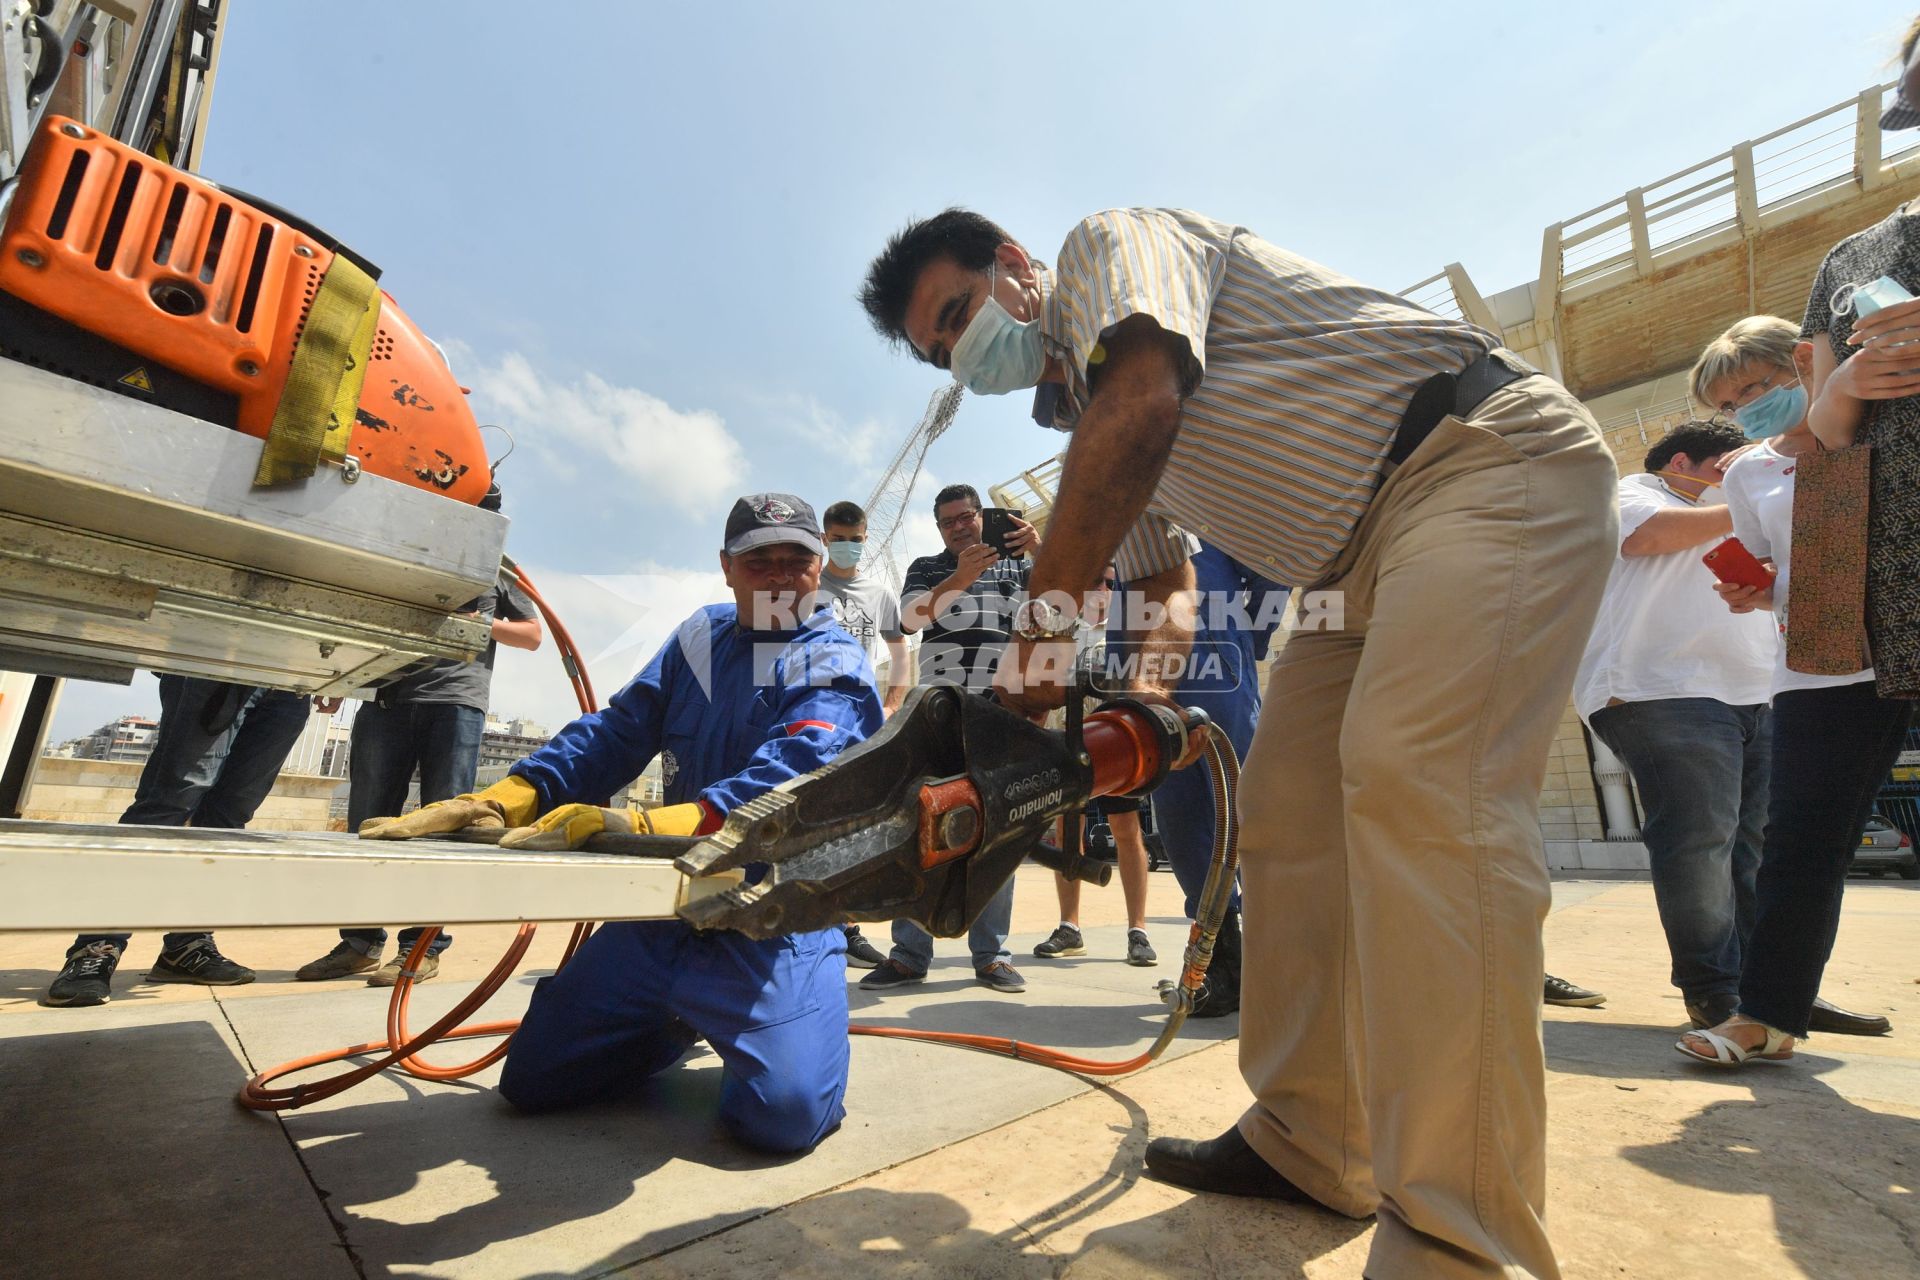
(123, 271)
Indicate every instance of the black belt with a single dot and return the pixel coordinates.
(1456, 395)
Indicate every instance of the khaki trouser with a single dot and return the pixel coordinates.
(1394, 879)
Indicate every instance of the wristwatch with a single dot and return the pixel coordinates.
(1036, 619)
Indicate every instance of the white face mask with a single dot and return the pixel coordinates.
(998, 354)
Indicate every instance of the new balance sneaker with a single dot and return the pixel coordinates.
(890, 973)
(86, 978)
(1139, 950)
(388, 974)
(343, 961)
(1564, 993)
(199, 962)
(1065, 940)
(1001, 976)
(861, 954)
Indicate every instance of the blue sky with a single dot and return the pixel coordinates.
(639, 228)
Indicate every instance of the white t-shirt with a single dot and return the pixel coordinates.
(1662, 632)
(868, 610)
(1759, 489)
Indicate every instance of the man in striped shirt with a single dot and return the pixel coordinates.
(1335, 436)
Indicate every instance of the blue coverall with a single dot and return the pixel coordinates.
(1222, 682)
(731, 713)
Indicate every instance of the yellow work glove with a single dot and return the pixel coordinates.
(510, 802)
(572, 825)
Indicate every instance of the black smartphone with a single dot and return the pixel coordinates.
(995, 524)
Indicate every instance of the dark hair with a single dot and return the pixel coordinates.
(960, 234)
(954, 493)
(845, 514)
(1698, 440)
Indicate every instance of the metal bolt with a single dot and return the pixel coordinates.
(30, 258)
(302, 251)
(350, 469)
(73, 130)
(958, 827)
(248, 369)
(326, 648)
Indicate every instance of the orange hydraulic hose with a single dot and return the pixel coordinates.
(402, 1049)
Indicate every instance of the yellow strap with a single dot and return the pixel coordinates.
(314, 418)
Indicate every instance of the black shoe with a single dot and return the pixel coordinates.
(199, 962)
(861, 954)
(86, 978)
(1139, 950)
(1710, 1011)
(1841, 1022)
(1065, 940)
(1001, 976)
(1226, 1165)
(890, 973)
(1219, 993)
(1564, 993)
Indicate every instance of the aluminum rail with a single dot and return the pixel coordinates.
(69, 878)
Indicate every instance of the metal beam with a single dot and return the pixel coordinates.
(69, 878)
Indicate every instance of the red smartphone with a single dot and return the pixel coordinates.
(1733, 563)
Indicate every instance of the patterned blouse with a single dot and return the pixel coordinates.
(1891, 247)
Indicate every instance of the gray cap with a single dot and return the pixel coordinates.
(761, 519)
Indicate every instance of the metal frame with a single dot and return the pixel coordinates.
(69, 878)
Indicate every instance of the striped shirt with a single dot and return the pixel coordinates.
(1299, 376)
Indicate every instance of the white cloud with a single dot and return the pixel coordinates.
(617, 621)
(686, 458)
(860, 447)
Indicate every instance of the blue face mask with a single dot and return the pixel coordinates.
(998, 354)
(1780, 409)
(845, 555)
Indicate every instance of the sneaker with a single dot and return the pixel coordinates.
(1139, 950)
(199, 962)
(1001, 976)
(890, 973)
(86, 978)
(388, 974)
(1063, 941)
(861, 954)
(343, 961)
(1565, 994)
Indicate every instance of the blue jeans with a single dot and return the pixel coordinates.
(1832, 749)
(1223, 682)
(1701, 767)
(639, 993)
(215, 757)
(442, 740)
(913, 946)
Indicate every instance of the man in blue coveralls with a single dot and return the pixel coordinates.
(743, 697)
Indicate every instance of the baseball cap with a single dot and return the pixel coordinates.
(1901, 115)
(761, 519)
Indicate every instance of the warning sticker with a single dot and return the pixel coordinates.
(138, 380)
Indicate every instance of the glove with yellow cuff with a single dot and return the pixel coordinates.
(510, 802)
(572, 825)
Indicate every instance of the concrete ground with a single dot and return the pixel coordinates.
(123, 1153)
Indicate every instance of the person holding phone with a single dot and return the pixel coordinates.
(1834, 737)
(1677, 688)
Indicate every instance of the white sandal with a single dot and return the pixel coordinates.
(1730, 1053)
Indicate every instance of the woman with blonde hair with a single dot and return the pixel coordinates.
(1834, 737)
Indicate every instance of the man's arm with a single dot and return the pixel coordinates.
(919, 608)
(599, 753)
(1119, 449)
(518, 633)
(1676, 529)
(822, 711)
(899, 674)
(1167, 599)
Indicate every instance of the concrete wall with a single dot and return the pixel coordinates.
(99, 791)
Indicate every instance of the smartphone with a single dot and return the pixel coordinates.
(1733, 563)
(995, 524)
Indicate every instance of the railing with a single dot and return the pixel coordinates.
(1724, 197)
(1031, 491)
(1450, 292)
